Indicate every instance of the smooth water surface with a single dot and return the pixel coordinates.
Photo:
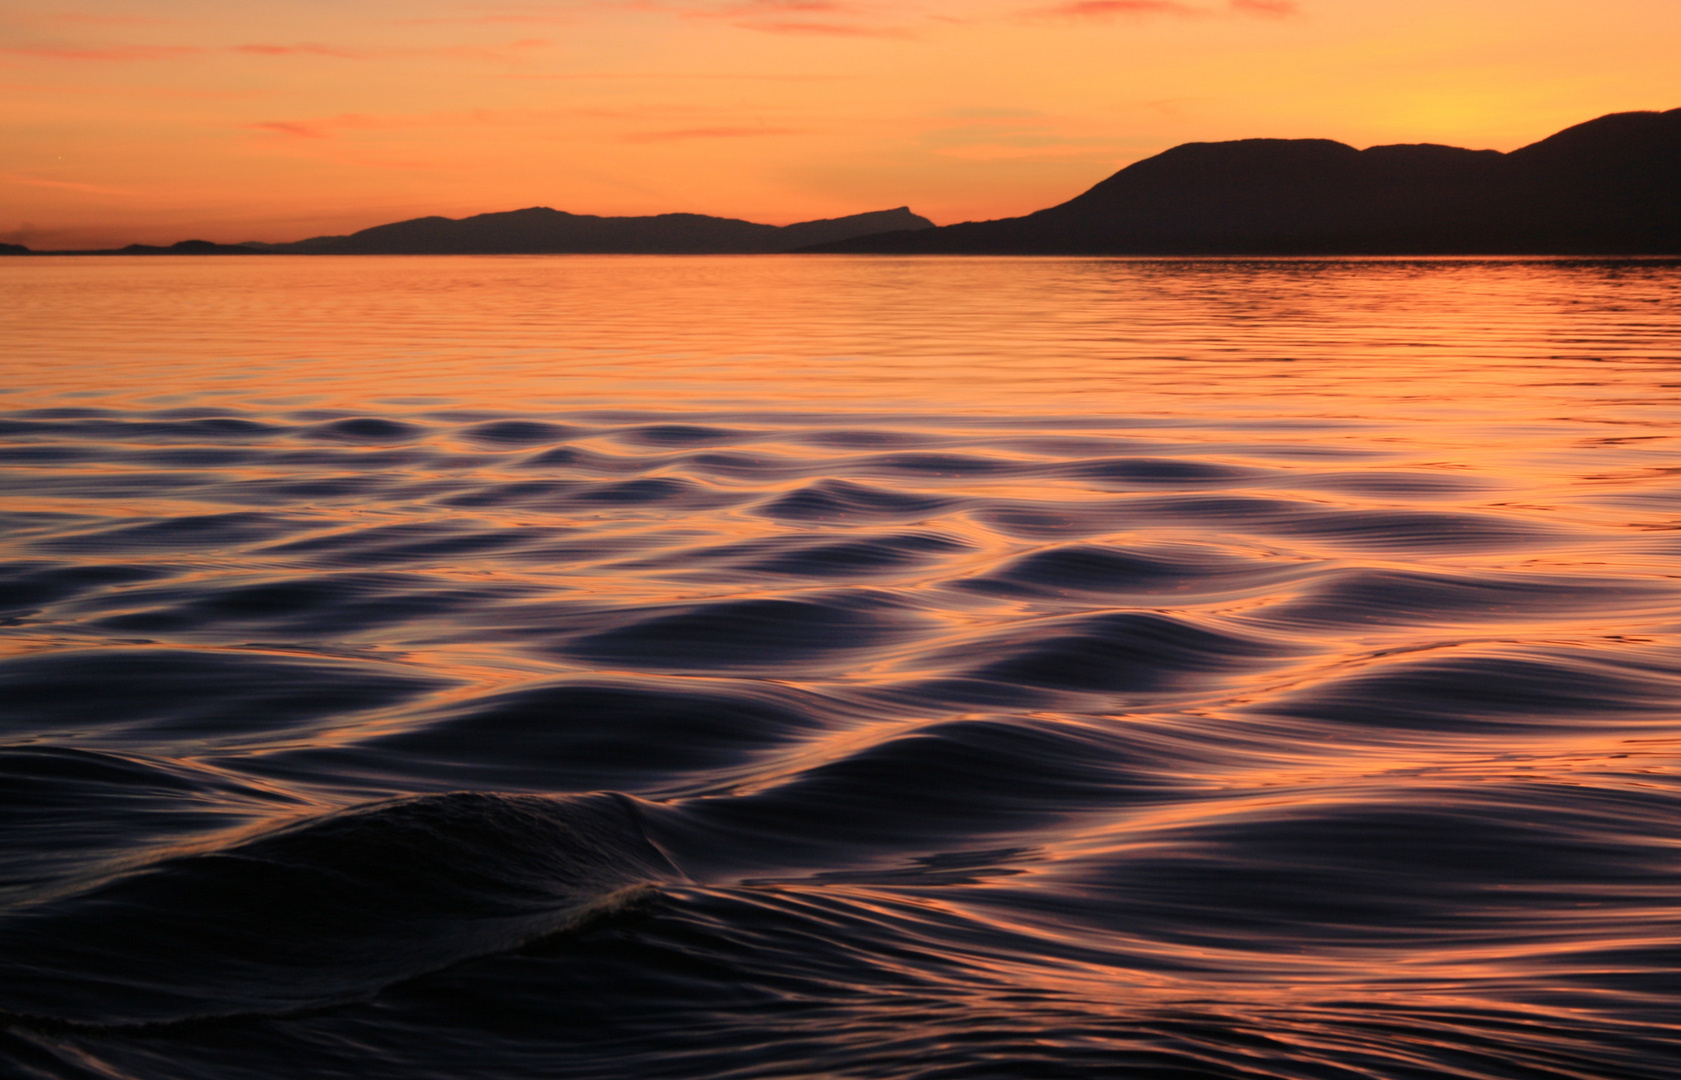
(795, 667)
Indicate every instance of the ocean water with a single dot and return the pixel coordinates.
(820, 667)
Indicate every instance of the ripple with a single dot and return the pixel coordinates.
(1397, 869)
(919, 789)
(1384, 597)
(841, 500)
(745, 635)
(637, 737)
(1386, 529)
(367, 429)
(519, 433)
(28, 586)
(1097, 569)
(1174, 472)
(1129, 651)
(164, 698)
(70, 812)
(848, 558)
(678, 435)
(1473, 693)
(176, 534)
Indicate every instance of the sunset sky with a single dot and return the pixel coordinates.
(272, 120)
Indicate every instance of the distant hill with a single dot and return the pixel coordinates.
(540, 230)
(1610, 186)
(184, 247)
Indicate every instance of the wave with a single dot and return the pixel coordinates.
(1459, 692)
(173, 698)
(1096, 569)
(324, 911)
(1123, 652)
(647, 737)
(748, 635)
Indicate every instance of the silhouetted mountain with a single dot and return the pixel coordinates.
(14, 249)
(540, 230)
(188, 247)
(1609, 186)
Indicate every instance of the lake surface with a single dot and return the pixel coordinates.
(792, 667)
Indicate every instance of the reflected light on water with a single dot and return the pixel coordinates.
(777, 667)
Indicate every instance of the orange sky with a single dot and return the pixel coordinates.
(156, 120)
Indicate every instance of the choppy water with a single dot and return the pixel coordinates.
(615, 667)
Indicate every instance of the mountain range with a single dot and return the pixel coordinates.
(539, 230)
(1611, 186)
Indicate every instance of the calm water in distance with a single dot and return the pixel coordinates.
(634, 667)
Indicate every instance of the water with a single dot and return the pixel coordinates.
(758, 667)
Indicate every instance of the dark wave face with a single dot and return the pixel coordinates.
(617, 668)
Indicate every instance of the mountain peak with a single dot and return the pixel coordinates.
(1608, 186)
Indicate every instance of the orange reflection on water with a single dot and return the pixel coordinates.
(1285, 645)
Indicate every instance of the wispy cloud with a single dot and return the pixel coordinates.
(291, 127)
(115, 53)
(676, 76)
(125, 53)
(707, 133)
(328, 127)
(88, 19)
(823, 29)
(64, 185)
(452, 52)
(1108, 10)
(300, 50)
(506, 19)
(823, 18)
(761, 8)
(99, 90)
(325, 127)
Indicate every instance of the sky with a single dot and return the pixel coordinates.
(160, 120)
